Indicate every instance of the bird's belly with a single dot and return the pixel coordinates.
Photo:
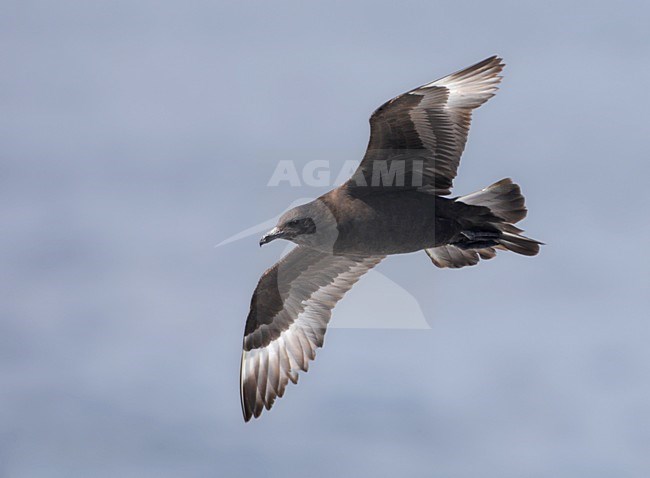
(396, 234)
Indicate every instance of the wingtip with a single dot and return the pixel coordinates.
(491, 66)
(494, 63)
(494, 60)
(485, 74)
(249, 412)
(246, 411)
(245, 408)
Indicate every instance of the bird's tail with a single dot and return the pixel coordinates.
(506, 207)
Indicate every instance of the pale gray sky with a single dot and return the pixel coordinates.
(137, 135)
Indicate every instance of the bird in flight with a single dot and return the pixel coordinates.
(394, 203)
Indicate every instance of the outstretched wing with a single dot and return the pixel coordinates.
(289, 313)
(417, 138)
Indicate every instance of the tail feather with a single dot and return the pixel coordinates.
(520, 244)
(503, 198)
(506, 205)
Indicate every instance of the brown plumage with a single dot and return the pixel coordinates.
(393, 204)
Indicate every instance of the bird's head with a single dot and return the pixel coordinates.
(292, 225)
(310, 224)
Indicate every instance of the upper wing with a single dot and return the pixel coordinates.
(417, 138)
(289, 312)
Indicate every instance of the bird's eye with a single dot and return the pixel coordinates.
(293, 222)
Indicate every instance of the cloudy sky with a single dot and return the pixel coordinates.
(135, 136)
